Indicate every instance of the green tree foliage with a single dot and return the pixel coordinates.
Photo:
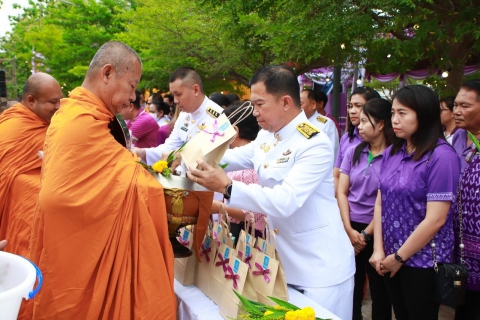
(386, 35)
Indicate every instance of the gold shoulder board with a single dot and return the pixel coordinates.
(212, 112)
(321, 119)
(307, 129)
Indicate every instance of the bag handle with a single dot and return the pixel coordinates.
(246, 109)
(250, 222)
(461, 246)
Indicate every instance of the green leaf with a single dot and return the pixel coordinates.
(250, 307)
(223, 166)
(284, 304)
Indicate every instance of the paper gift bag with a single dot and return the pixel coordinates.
(268, 274)
(184, 268)
(203, 277)
(245, 239)
(218, 270)
(211, 143)
(235, 279)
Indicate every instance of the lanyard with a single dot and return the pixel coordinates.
(474, 139)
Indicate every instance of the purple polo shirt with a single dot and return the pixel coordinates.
(363, 184)
(406, 187)
(345, 144)
(459, 143)
(145, 130)
(470, 223)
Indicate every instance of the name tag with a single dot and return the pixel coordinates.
(236, 265)
(247, 251)
(227, 252)
(207, 243)
(266, 260)
(184, 129)
(224, 126)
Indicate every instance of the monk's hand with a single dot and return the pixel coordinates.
(3, 244)
(214, 179)
(140, 152)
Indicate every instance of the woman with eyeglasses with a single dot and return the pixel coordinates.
(447, 118)
(467, 118)
(352, 138)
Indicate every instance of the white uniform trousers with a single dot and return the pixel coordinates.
(337, 299)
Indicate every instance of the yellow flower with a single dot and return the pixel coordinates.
(267, 313)
(302, 314)
(160, 166)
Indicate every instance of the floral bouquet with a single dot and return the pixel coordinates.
(163, 166)
(283, 310)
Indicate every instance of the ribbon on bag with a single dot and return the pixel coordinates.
(205, 252)
(229, 274)
(247, 260)
(214, 133)
(183, 242)
(222, 262)
(261, 271)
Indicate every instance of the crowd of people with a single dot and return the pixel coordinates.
(386, 201)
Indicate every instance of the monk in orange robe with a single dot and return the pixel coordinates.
(100, 233)
(22, 132)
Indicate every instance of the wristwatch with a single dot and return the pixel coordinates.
(398, 257)
(367, 237)
(228, 192)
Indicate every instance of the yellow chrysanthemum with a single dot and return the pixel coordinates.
(160, 166)
(302, 314)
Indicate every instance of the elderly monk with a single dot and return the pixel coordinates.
(100, 233)
(22, 131)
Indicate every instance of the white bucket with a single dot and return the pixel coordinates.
(17, 277)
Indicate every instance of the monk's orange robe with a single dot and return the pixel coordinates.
(22, 134)
(100, 232)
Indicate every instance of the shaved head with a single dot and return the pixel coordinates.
(119, 55)
(42, 94)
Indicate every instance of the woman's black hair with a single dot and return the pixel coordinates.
(380, 110)
(424, 101)
(449, 102)
(367, 93)
(247, 128)
(161, 106)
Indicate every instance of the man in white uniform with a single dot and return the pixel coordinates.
(197, 109)
(308, 104)
(294, 162)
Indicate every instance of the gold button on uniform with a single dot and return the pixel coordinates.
(265, 165)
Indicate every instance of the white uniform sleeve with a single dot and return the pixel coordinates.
(173, 142)
(331, 130)
(239, 158)
(312, 166)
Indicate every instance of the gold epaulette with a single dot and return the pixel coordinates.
(307, 129)
(213, 112)
(321, 119)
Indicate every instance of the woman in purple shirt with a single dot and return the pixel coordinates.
(351, 138)
(465, 142)
(413, 210)
(356, 194)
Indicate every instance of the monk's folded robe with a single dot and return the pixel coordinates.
(22, 134)
(100, 232)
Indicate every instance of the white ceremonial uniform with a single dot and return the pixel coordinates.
(187, 125)
(326, 125)
(297, 194)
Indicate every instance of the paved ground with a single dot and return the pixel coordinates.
(446, 313)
